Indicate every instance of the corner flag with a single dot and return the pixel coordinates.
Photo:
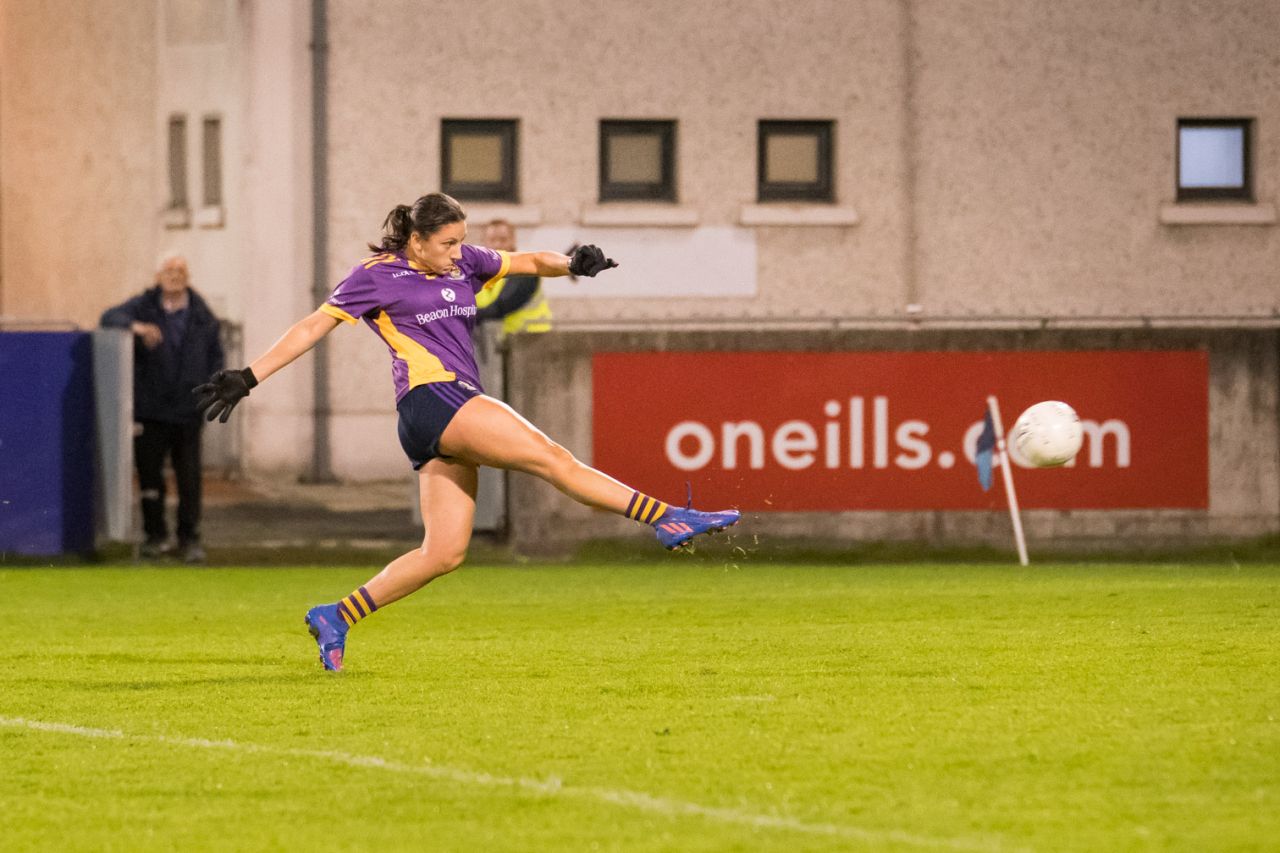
(986, 448)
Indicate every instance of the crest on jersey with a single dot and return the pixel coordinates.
(455, 273)
(448, 294)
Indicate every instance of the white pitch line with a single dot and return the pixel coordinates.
(637, 800)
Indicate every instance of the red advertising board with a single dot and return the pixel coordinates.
(788, 431)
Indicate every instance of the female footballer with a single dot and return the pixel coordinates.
(417, 293)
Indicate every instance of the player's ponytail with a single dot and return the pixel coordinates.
(395, 229)
(428, 215)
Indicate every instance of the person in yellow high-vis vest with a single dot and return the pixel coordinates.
(517, 300)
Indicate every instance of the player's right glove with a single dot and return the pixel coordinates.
(588, 260)
(224, 389)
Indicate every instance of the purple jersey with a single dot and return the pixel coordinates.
(425, 320)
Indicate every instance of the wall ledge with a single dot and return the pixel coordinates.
(176, 217)
(640, 215)
(797, 214)
(210, 217)
(1208, 213)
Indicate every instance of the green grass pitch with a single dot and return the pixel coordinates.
(673, 705)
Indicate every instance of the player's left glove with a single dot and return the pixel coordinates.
(588, 260)
(224, 389)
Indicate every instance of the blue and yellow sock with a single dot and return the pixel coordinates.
(356, 606)
(645, 509)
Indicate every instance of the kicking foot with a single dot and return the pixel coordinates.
(677, 526)
(330, 632)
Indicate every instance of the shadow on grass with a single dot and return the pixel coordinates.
(114, 685)
(166, 660)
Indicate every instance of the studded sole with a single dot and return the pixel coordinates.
(707, 532)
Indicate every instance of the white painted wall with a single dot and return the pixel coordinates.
(274, 289)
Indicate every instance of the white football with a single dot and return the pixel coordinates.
(1048, 434)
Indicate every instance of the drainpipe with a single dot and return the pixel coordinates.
(321, 456)
(910, 151)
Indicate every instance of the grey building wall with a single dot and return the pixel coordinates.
(1045, 144)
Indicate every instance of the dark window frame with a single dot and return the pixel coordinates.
(662, 190)
(507, 189)
(820, 190)
(1244, 192)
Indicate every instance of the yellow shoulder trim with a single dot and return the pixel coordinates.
(336, 312)
(506, 264)
(384, 258)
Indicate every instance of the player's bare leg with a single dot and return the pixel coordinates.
(447, 491)
(447, 495)
(489, 432)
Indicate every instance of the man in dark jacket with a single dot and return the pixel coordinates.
(176, 347)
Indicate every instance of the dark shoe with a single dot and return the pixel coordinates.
(677, 526)
(154, 549)
(193, 554)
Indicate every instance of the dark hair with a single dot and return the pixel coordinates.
(428, 215)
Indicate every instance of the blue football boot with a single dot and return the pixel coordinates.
(677, 526)
(330, 631)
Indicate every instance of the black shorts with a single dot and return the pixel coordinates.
(425, 412)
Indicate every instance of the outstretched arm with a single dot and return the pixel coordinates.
(542, 264)
(586, 260)
(301, 337)
(225, 388)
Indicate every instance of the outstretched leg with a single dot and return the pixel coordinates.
(447, 492)
(489, 432)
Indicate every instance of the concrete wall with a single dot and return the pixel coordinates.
(550, 382)
(1045, 142)
(78, 95)
(276, 226)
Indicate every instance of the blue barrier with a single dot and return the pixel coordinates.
(46, 443)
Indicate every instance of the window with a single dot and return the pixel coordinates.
(637, 160)
(178, 163)
(794, 161)
(212, 161)
(1213, 159)
(478, 159)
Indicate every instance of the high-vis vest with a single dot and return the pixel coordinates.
(534, 316)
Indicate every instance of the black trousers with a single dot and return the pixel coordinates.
(180, 442)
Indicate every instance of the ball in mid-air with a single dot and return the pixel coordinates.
(1048, 434)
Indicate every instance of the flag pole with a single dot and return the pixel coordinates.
(1005, 467)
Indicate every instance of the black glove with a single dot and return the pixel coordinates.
(589, 260)
(224, 389)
